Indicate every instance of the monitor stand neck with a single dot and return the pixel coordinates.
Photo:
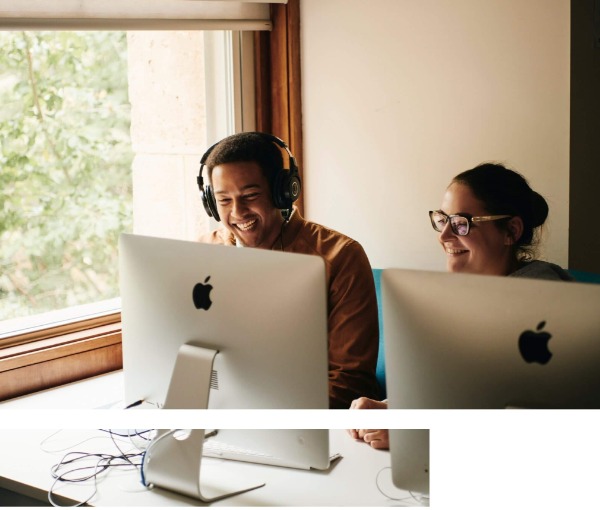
(190, 381)
(173, 463)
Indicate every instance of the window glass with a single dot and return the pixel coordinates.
(65, 168)
(101, 133)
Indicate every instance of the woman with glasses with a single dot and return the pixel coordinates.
(489, 223)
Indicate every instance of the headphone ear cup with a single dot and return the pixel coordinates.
(293, 187)
(208, 199)
(286, 189)
(205, 201)
(278, 198)
(203, 195)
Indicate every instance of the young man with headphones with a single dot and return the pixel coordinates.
(250, 191)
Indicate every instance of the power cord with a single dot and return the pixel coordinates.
(421, 500)
(150, 446)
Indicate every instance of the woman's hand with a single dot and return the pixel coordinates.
(376, 438)
(368, 403)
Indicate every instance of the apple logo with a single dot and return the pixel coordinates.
(201, 295)
(534, 345)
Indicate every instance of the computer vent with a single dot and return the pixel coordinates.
(214, 380)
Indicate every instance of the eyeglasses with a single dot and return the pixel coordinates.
(460, 223)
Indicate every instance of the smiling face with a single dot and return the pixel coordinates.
(244, 203)
(487, 249)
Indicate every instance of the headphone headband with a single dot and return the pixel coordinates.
(285, 185)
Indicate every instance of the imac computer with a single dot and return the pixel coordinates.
(172, 460)
(409, 451)
(468, 341)
(249, 324)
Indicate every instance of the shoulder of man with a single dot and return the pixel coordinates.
(339, 251)
(326, 238)
(311, 237)
(218, 236)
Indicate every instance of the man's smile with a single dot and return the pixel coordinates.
(246, 225)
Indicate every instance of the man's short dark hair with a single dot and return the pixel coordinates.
(247, 147)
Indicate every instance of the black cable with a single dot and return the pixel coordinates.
(135, 404)
(286, 219)
(67, 470)
(104, 463)
(63, 472)
(135, 433)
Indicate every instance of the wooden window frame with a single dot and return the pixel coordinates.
(55, 356)
(59, 355)
(278, 89)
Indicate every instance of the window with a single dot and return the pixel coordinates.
(84, 162)
(195, 88)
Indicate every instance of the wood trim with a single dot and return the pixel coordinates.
(294, 82)
(262, 78)
(58, 330)
(60, 360)
(280, 114)
(278, 81)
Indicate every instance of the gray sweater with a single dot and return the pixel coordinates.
(542, 271)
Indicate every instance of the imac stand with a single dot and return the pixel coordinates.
(190, 381)
(173, 459)
(173, 463)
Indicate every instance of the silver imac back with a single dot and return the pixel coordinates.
(294, 448)
(174, 460)
(474, 342)
(409, 450)
(263, 313)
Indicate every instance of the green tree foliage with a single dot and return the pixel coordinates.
(65, 168)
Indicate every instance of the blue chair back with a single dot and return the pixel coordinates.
(380, 372)
(584, 276)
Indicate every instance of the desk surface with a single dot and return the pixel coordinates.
(27, 457)
(27, 460)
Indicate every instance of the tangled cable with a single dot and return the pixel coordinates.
(79, 467)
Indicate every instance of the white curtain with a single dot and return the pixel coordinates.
(135, 14)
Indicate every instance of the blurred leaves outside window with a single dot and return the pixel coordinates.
(65, 168)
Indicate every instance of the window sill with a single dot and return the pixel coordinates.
(103, 391)
(50, 362)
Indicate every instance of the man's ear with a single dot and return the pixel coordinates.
(514, 230)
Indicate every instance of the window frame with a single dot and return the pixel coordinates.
(55, 358)
(58, 355)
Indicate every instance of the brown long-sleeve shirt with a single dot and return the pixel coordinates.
(352, 304)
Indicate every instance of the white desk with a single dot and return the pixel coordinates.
(25, 466)
(351, 481)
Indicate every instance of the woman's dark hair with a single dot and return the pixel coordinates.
(504, 191)
(247, 147)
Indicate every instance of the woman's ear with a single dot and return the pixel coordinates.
(514, 230)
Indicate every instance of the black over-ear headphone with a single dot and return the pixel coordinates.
(285, 187)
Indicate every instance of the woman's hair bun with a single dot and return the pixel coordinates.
(539, 209)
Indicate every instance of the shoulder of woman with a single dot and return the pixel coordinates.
(542, 270)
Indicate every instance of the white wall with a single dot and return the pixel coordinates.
(401, 95)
